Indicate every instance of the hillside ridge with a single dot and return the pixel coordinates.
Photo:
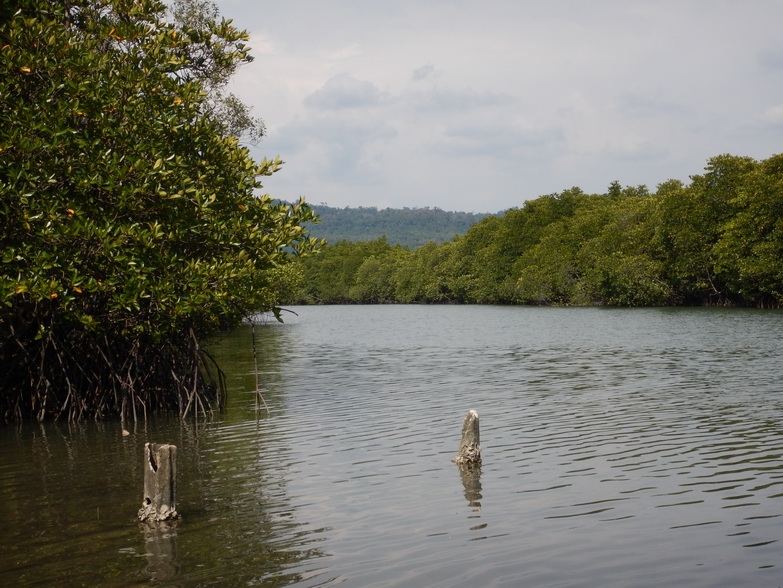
(410, 227)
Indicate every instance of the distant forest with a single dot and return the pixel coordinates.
(716, 241)
(409, 227)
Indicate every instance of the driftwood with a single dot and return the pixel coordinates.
(160, 484)
(469, 447)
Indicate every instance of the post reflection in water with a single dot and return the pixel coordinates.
(160, 550)
(471, 483)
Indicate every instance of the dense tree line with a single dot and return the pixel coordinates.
(130, 225)
(717, 240)
(411, 227)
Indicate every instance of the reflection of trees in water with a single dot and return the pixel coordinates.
(79, 488)
(245, 515)
(64, 494)
(234, 353)
(245, 527)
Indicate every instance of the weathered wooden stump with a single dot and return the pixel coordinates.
(469, 447)
(160, 485)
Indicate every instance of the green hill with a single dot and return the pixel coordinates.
(410, 227)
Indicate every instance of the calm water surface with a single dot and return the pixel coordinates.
(621, 448)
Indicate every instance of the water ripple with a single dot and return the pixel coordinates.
(620, 448)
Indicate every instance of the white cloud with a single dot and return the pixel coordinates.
(445, 100)
(262, 45)
(774, 114)
(438, 104)
(344, 91)
(344, 53)
(771, 58)
(423, 72)
(501, 140)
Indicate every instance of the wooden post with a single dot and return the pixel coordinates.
(469, 447)
(160, 484)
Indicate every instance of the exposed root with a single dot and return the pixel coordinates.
(71, 374)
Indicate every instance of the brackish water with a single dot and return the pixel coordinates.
(621, 448)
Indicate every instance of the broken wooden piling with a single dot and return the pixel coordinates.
(160, 484)
(469, 447)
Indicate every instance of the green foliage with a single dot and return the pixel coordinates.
(330, 275)
(375, 281)
(419, 275)
(749, 251)
(691, 221)
(548, 272)
(620, 264)
(473, 267)
(130, 224)
(718, 240)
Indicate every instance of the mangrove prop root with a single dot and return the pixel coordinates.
(70, 375)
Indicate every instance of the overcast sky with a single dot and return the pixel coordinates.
(481, 105)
